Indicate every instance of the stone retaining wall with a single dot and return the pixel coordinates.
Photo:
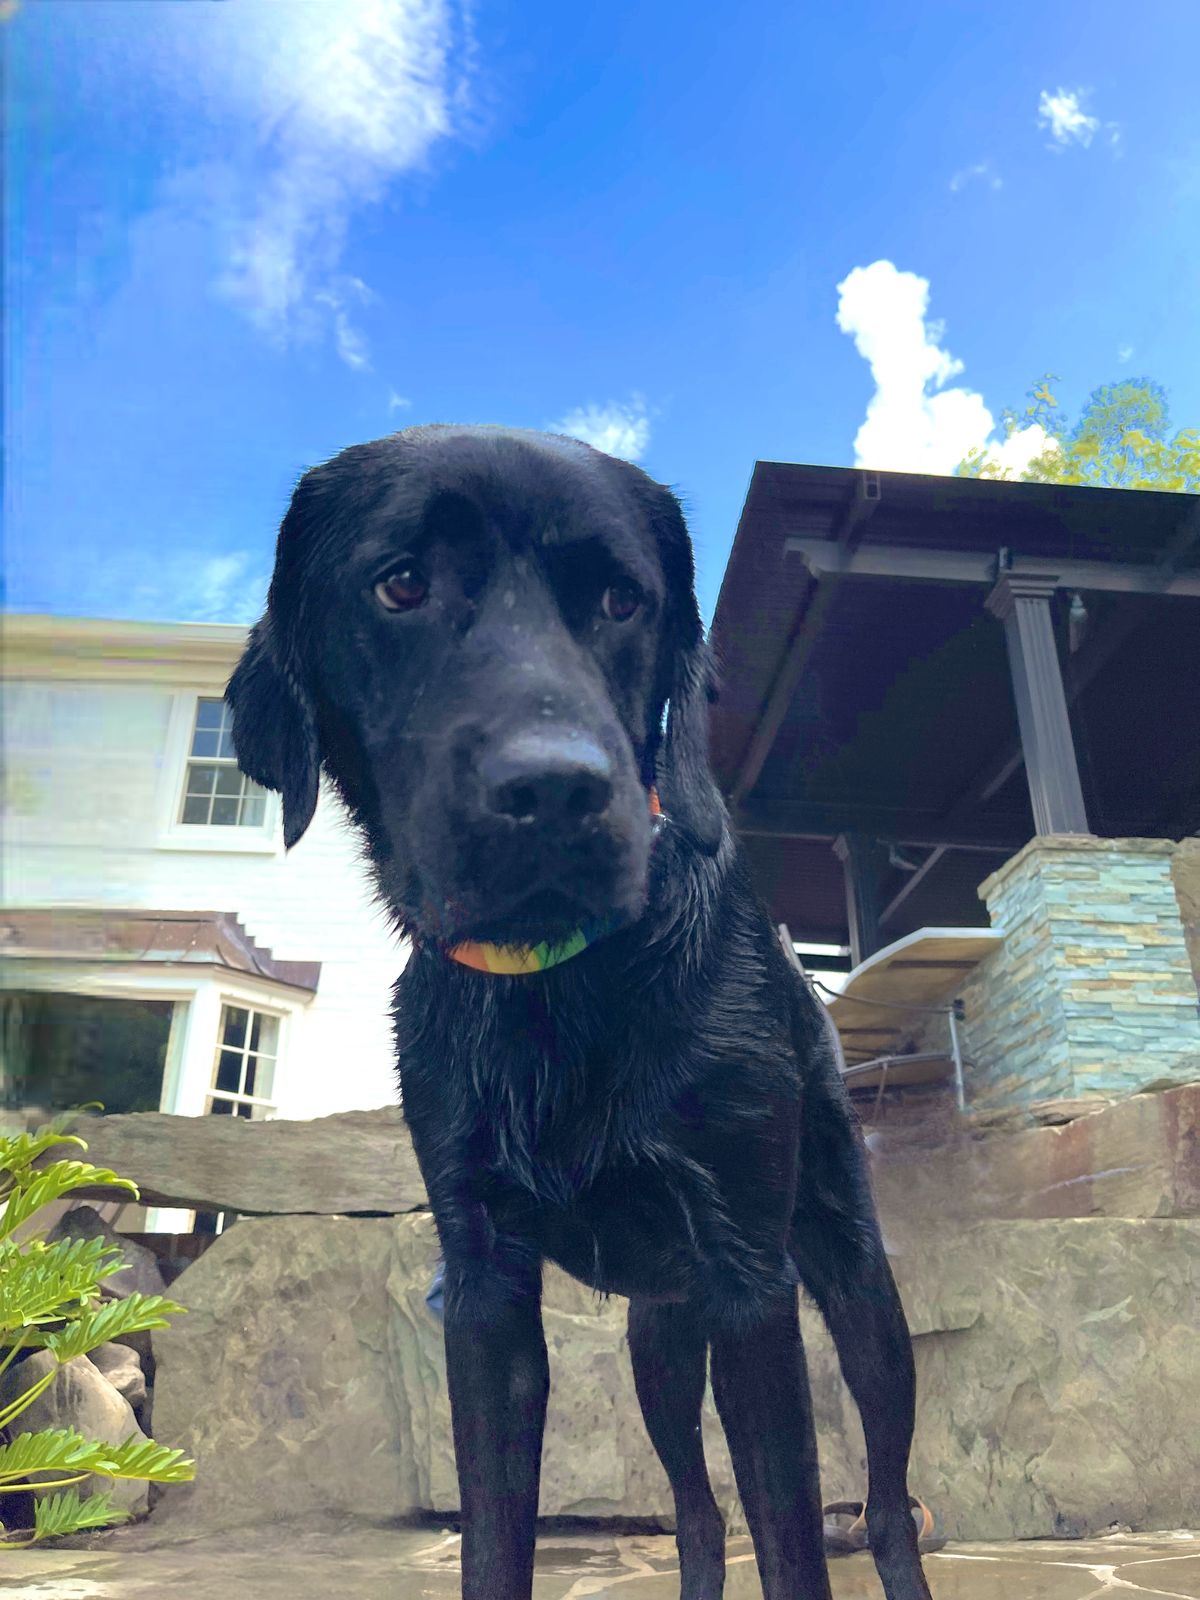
(1056, 1354)
(1056, 1366)
(1056, 1350)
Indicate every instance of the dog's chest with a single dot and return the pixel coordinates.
(606, 1129)
(634, 1206)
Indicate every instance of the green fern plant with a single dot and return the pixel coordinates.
(49, 1300)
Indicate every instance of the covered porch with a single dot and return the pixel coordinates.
(924, 676)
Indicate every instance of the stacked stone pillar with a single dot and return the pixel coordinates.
(1092, 991)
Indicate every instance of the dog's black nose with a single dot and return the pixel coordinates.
(546, 778)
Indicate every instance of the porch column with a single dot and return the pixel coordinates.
(1022, 604)
(863, 860)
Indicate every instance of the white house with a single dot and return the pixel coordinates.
(159, 949)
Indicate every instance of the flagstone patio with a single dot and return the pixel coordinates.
(365, 1561)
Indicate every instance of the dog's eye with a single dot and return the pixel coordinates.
(403, 590)
(621, 601)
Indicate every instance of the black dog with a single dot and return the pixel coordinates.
(477, 633)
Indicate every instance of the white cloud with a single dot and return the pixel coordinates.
(398, 402)
(370, 96)
(914, 423)
(297, 117)
(351, 345)
(617, 429)
(1013, 455)
(981, 172)
(1124, 353)
(225, 588)
(1063, 115)
(221, 589)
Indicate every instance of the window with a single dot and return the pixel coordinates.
(216, 794)
(59, 1050)
(204, 802)
(244, 1070)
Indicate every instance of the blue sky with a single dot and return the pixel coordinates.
(245, 233)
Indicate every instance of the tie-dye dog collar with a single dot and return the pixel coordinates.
(521, 960)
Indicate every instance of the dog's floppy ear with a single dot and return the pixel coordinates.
(688, 794)
(274, 731)
(686, 788)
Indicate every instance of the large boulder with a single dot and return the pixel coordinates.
(597, 1460)
(308, 1377)
(353, 1163)
(139, 1273)
(121, 1366)
(1069, 1400)
(80, 1397)
(1138, 1157)
(1056, 1364)
(278, 1379)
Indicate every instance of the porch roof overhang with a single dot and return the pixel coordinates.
(866, 690)
(96, 937)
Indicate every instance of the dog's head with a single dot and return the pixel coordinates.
(477, 632)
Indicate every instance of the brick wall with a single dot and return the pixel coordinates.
(1093, 989)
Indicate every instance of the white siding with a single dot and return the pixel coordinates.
(81, 828)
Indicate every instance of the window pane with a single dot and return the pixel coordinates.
(229, 1071)
(253, 810)
(206, 742)
(195, 808)
(220, 1108)
(245, 1111)
(265, 1078)
(234, 1021)
(248, 1084)
(201, 779)
(209, 713)
(227, 749)
(229, 781)
(225, 813)
(267, 1042)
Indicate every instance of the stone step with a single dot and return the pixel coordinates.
(352, 1163)
(1138, 1157)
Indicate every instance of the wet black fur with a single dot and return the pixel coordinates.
(663, 1115)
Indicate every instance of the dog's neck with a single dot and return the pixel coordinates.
(523, 960)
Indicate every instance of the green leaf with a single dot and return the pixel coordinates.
(1121, 440)
(53, 1450)
(42, 1282)
(58, 1514)
(110, 1321)
(67, 1450)
(19, 1151)
(150, 1462)
(36, 1189)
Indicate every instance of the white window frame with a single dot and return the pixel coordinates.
(264, 839)
(261, 1109)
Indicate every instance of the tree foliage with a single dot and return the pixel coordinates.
(50, 1300)
(1121, 440)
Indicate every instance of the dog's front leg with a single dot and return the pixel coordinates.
(498, 1379)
